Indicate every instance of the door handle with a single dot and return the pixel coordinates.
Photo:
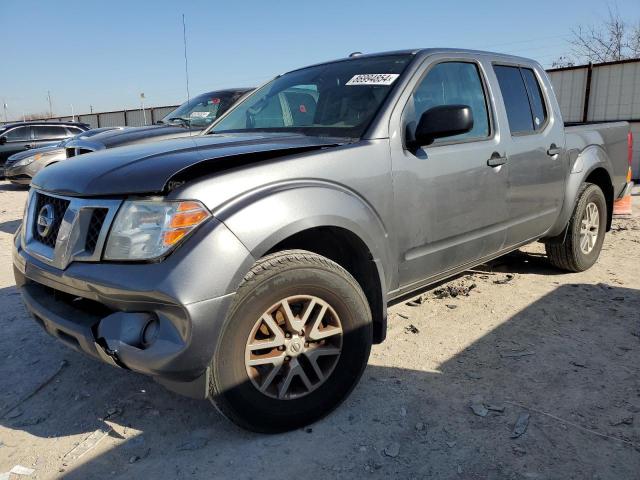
(28, 146)
(496, 160)
(553, 150)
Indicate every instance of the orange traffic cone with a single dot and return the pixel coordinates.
(623, 206)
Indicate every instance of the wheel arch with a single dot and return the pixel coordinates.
(600, 177)
(591, 165)
(327, 220)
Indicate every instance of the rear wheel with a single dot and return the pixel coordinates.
(582, 243)
(295, 343)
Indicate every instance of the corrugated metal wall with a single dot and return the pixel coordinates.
(161, 112)
(613, 94)
(120, 118)
(138, 118)
(91, 119)
(569, 86)
(112, 119)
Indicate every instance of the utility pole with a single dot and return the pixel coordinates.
(4, 107)
(144, 114)
(50, 109)
(186, 62)
(73, 117)
(91, 108)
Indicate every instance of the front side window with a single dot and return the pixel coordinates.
(334, 99)
(523, 100)
(49, 132)
(202, 110)
(452, 83)
(19, 134)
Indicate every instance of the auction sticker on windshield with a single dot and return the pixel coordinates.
(373, 79)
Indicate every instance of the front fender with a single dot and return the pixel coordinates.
(582, 164)
(263, 218)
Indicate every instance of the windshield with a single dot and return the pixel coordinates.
(336, 99)
(202, 110)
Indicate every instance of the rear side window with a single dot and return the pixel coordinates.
(516, 101)
(453, 83)
(49, 132)
(538, 108)
(523, 100)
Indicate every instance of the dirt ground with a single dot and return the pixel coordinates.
(530, 374)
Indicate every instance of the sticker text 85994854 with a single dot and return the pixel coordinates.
(373, 79)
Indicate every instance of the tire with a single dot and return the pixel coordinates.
(300, 277)
(569, 254)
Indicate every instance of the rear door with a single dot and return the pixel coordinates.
(16, 140)
(449, 201)
(44, 135)
(535, 150)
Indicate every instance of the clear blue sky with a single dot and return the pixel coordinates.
(104, 53)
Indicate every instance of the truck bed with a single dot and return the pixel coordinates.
(611, 137)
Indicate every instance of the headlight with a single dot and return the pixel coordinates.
(146, 229)
(27, 161)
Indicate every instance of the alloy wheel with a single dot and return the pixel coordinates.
(294, 347)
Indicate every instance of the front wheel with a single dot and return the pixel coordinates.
(294, 345)
(585, 233)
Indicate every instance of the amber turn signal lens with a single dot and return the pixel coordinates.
(171, 237)
(189, 205)
(188, 219)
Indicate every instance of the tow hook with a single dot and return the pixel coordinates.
(113, 354)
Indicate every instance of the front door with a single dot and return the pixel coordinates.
(449, 196)
(15, 140)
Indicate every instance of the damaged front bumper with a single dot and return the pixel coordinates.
(94, 308)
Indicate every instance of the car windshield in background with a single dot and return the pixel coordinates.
(200, 111)
(335, 99)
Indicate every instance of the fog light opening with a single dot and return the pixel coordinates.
(150, 332)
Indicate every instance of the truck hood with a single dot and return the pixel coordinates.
(129, 135)
(148, 168)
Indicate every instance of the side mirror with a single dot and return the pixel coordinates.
(442, 121)
(3, 140)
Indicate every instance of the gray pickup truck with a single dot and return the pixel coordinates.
(253, 264)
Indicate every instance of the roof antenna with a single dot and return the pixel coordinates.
(355, 54)
(186, 63)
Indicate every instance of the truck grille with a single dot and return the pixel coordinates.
(74, 152)
(60, 230)
(59, 206)
(95, 227)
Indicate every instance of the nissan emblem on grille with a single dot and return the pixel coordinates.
(46, 218)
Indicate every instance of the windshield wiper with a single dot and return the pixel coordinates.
(184, 121)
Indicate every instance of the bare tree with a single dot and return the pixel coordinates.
(634, 44)
(563, 61)
(613, 40)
